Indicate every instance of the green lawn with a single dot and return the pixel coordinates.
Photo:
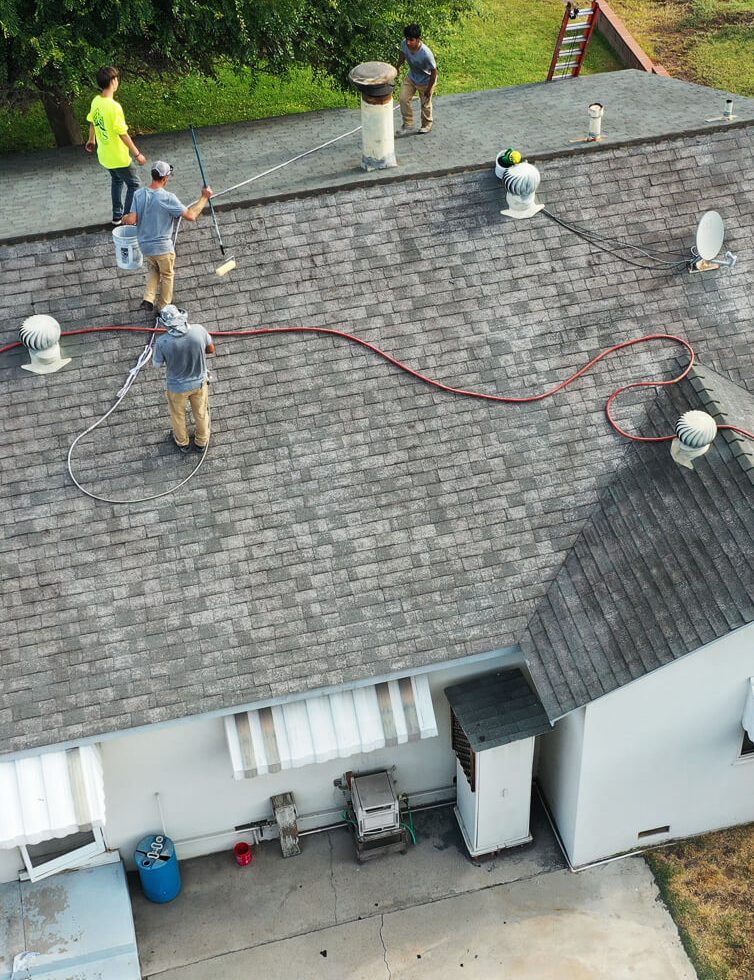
(506, 42)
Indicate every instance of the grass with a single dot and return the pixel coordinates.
(705, 41)
(708, 887)
(506, 42)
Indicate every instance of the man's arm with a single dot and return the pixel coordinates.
(129, 219)
(194, 210)
(401, 60)
(209, 349)
(432, 80)
(92, 141)
(140, 158)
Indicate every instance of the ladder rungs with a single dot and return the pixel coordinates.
(565, 64)
(579, 27)
(571, 42)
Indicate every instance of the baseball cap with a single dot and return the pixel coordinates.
(162, 168)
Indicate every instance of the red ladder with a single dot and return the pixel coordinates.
(573, 40)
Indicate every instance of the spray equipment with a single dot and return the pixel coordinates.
(230, 263)
(710, 233)
(40, 334)
(694, 432)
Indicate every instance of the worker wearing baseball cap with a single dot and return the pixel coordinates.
(154, 212)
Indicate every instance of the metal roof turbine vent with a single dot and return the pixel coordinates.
(521, 182)
(695, 432)
(40, 334)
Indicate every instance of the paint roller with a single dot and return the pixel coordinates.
(230, 263)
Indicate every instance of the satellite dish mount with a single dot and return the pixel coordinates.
(709, 241)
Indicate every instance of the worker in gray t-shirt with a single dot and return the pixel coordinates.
(154, 211)
(421, 79)
(183, 352)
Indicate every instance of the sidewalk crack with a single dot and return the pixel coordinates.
(384, 947)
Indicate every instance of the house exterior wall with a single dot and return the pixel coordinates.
(664, 750)
(559, 771)
(188, 764)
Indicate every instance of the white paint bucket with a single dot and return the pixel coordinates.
(127, 252)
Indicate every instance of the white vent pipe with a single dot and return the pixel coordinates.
(376, 80)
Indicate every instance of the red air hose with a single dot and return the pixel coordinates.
(507, 399)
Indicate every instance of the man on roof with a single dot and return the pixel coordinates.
(421, 79)
(154, 211)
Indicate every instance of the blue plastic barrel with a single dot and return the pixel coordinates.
(158, 868)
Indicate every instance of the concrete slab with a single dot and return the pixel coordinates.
(223, 908)
(605, 922)
(66, 189)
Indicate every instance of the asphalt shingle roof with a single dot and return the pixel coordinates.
(349, 521)
(497, 708)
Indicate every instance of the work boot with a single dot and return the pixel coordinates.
(183, 449)
(199, 449)
(146, 306)
(405, 131)
(425, 129)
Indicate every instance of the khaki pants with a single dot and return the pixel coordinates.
(160, 272)
(199, 401)
(408, 91)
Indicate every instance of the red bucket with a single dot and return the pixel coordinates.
(242, 852)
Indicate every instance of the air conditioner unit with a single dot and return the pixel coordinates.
(375, 804)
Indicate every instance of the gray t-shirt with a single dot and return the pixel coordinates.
(185, 358)
(155, 212)
(421, 63)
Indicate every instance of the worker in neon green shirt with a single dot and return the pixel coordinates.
(109, 133)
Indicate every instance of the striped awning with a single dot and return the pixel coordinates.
(51, 795)
(748, 718)
(333, 726)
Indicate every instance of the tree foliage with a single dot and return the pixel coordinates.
(51, 49)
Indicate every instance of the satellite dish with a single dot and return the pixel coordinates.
(709, 235)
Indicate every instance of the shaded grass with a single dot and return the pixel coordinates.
(705, 41)
(505, 42)
(708, 887)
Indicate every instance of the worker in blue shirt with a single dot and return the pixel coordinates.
(421, 79)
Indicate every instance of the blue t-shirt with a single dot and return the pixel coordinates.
(421, 63)
(185, 358)
(155, 211)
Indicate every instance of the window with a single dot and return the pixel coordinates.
(465, 754)
(57, 854)
(747, 746)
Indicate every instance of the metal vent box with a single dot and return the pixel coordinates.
(375, 805)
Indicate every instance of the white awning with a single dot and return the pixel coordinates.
(748, 718)
(332, 726)
(51, 795)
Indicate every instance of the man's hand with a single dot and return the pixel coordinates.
(207, 192)
(90, 146)
(129, 219)
(141, 159)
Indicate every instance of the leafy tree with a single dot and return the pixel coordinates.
(51, 49)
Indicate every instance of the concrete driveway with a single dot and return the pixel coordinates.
(431, 913)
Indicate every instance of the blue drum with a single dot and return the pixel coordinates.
(158, 869)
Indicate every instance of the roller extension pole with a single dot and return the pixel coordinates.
(205, 184)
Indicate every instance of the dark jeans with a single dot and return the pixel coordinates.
(120, 176)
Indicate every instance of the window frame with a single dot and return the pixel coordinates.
(75, 858)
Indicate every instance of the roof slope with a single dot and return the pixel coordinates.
(664, 565)
(348, 521)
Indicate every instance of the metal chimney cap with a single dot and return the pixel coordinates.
(39, 332)
(373, 73)
(696, 429)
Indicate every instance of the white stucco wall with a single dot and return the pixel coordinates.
(189, 766)
(664, 750)
(559, 771)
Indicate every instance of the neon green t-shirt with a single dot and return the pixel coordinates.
(109, 125)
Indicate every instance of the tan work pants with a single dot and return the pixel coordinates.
(160, 273)
(199, 401)
(408, 91)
